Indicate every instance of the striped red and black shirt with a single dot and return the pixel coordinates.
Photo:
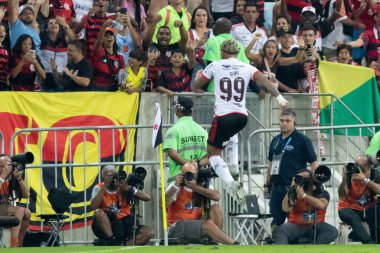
(92, 28)
(295, 8)
(103, 75)
(372, 43)
(4, 68)
(174, 82)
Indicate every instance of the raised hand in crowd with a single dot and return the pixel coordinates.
(153, 54)
(178, 23)
(2, 12)
(192, 44)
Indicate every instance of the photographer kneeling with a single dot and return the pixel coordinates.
(357, 194)
(113, 218)
(11, 179)
(190, 216)
(306, 199)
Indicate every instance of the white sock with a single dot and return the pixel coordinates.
(221, 168)
(233, 154)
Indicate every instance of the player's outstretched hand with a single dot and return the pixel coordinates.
(282, 101)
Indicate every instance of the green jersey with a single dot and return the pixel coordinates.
(374, 145)
(212, 53)
(169, 16)
(188, 139)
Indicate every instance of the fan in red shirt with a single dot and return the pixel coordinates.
(106, 60)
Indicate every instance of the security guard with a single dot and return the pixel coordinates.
(186, 141)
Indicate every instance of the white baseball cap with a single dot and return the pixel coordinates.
(24, 7)
(308, 8)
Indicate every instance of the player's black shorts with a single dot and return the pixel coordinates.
(224, 127)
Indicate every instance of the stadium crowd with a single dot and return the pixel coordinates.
(136, 46)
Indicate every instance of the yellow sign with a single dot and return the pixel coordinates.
(20, 110)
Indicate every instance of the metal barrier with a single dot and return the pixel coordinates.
(335, 165)
(92, 138)
(77, 170)
(82, 171)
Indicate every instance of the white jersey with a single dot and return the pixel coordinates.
(231, 78)
(241, 33)
(81, 8)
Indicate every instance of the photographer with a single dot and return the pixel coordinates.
(305, 200)
(113, 215)
(9, 178)
(190, 215)
(357, 194)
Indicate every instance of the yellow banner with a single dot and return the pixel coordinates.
(20, 110)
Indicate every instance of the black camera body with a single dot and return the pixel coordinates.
(207, 173)
(20, 160)
(121, 175)
(299, 180)
(136, 178)
(188, 176)
(319, 176)
(352, 168)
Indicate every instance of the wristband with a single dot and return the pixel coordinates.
(302, 48)
(281, 100)
(2, 180)
(134, 190)
(304, 195)
(366, 180)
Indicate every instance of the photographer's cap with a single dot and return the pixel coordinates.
(184, 104)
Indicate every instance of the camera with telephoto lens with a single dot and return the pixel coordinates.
(136, 178)
(207, 173)
(121, 175)
(352, 168)
(187, 176)
(299, 180)
(19, 161)
(375, 158)
(319, 176)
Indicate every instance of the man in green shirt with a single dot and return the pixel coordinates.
(176, 17)
(222, 32)
(185, 141)
(374, 145)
